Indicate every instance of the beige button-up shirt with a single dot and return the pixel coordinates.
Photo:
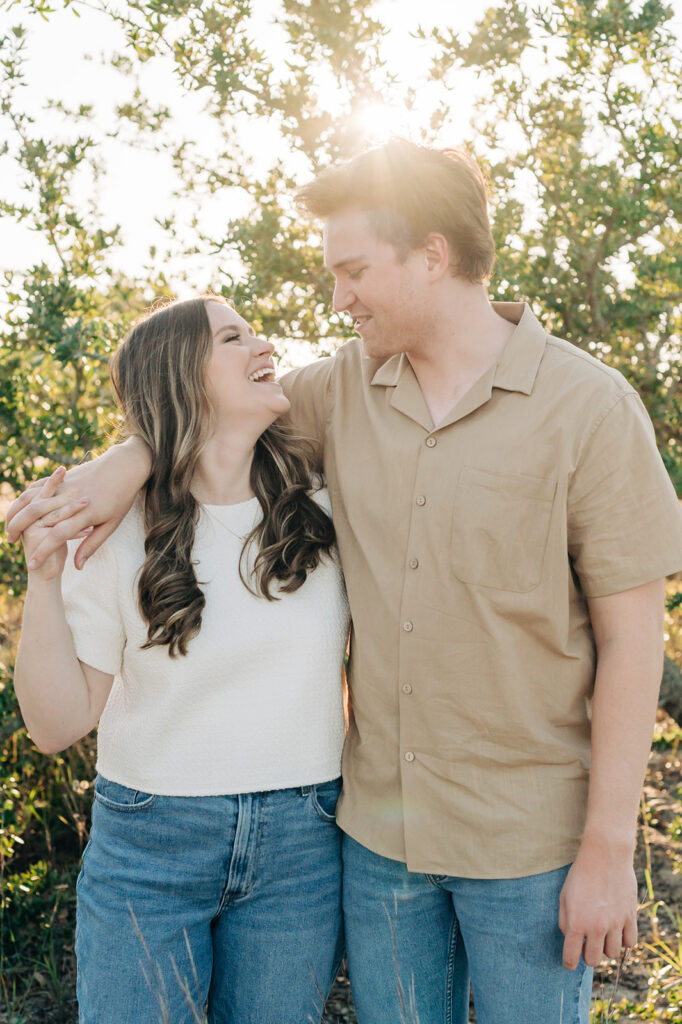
(469, 550)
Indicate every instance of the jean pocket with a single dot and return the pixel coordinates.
(121, 798)
(324, 798)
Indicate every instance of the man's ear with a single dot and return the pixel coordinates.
(436, 253)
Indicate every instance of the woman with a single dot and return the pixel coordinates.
(208, 635)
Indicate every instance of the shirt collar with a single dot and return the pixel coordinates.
(518, 365)
(520, 360)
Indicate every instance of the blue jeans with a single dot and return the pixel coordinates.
(227, 902)
(414, 942)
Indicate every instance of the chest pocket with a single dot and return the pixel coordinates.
(500, 526)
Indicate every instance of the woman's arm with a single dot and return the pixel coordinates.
(61, 699)
(97, 494)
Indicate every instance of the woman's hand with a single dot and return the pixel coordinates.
(33, 536)
(94, 497)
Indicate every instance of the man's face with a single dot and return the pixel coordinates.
(386, 298)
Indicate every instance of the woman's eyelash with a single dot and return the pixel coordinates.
(232, 337)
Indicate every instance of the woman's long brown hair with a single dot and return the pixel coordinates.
(157, 374)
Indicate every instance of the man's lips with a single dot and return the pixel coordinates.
(360, 322)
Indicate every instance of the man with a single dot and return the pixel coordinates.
(505, 525)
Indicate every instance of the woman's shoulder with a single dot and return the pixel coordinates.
(320, 494)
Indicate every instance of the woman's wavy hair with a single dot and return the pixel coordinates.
(157, 374)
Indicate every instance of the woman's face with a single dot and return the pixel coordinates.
(240, 373)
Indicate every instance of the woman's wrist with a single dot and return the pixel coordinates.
(45, 581)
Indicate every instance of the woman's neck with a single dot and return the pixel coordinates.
(223, 473)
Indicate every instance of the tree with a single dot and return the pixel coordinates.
(579, 123)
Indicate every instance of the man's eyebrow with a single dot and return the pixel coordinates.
(346, 261)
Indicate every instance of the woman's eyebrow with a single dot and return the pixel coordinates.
(234, 327)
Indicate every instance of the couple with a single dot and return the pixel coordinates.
(504, 523)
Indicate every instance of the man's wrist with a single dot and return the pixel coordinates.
(608, 843)
(136, 449)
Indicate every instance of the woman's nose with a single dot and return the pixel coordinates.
(262, 346)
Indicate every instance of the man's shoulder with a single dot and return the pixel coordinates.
(347, 351)
(579, 367)
(569, 369)
(323, 379)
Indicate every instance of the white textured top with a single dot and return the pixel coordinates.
(256, 702)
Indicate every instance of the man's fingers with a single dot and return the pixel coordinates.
(630, 932)
(34, 484)
(593, 953)
(57, 515)
(57, 536)
(573, 948)
(614, 943)
(44, 487)
(39, 508)
(52, 483)
(97, 537)
(24, 499)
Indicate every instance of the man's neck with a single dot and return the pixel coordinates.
(469, 337)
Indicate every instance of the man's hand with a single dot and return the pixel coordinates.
(598, 906)
(53, 566)
(95, 496)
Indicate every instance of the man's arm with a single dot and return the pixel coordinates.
(598, 910)
(96, 494)
(109, 483)
(309, 390)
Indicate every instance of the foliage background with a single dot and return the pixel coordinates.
(576, 120)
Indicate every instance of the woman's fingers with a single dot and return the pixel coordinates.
(58, 535)
(32, 512)
(24, 499)
(18, 518)
(49, 510)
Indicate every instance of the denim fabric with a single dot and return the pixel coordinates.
(414, 942)
(233, 902)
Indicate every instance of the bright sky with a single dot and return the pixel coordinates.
(137, 186)
(63, 64)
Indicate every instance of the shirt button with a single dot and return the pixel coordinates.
(408, 627)
(421, 500)
(406, 688)
(431, 442)
(409, 756)
(414, 562)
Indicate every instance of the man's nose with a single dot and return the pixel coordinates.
(342, 297)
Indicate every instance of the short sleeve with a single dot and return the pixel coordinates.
(92, 608)
(310, 392)
(624, 518)
(321, 497)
